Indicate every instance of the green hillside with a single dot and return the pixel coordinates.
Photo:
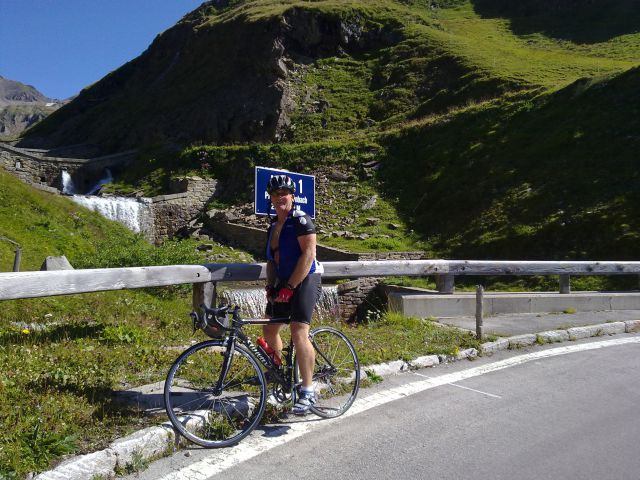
(51, 225)
(45, 224)
(552, 176)
(500, 128)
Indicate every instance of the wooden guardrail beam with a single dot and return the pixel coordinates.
(63, 282)
(476, 267)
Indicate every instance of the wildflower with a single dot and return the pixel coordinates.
(26, 331)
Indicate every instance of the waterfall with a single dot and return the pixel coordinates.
(107, 178)
(128, 211)
(68, 188)
(253, 302)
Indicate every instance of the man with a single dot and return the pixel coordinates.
(293, 281)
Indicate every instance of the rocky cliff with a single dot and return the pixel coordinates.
(209, 79)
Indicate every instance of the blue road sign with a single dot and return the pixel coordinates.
(305, 197)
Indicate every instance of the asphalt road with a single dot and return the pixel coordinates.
(555, 412)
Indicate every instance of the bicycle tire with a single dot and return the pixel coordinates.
(336, 374)
(197, 413)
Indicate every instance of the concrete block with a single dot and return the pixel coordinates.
(425, 361)
(56, 263)
(632, 326)
(395, 302)
(147, 443)
(83, 467)
(423, 306)
(613, 328)
(553, 336)
(577, 333)
(507, 304)
(389, 368)
(580, 302)
(625, 301)
(491, 347)
(522, 340)
(597, 330)
(468, 353)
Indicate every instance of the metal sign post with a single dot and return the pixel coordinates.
(305, 197)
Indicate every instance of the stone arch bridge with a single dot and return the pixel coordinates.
(37, 168)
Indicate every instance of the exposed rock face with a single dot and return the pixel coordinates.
(220, 82)
(12, 92)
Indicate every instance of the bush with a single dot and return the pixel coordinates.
(136, 252)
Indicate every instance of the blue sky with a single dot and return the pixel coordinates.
(62, 46)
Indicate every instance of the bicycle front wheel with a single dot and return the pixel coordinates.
(208, 416)
(336, 375)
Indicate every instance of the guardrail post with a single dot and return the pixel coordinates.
(565, 283)
(16, 260)
(479, 312)
(204, 293)
(445, 283)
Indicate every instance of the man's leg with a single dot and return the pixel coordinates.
(271, 334)
(305, 354)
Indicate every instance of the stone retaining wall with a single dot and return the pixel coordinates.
(172, 212)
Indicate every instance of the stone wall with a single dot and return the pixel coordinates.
(254, 240)
(170, 213)
(357, 297)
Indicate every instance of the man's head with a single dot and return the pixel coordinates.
(279, 183)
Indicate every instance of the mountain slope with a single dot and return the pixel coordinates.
(460, 105)
(553, 176)
(20, 107)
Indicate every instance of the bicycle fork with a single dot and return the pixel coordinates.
(226, 365)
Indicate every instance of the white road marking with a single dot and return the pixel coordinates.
(223, 459)
(463, 387)
(474, 390)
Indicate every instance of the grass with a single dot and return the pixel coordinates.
(490, 43)
(502, 192)
(91, 345)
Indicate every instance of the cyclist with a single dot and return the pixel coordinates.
(293, 281)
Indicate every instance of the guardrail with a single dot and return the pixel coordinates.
(14, 285)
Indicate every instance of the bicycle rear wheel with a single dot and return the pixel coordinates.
(206, 417)
(336, 375)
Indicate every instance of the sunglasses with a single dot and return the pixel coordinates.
(281, 192)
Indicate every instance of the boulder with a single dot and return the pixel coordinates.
(56, 263)
(370, 203)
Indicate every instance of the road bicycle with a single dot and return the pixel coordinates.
(216, 391)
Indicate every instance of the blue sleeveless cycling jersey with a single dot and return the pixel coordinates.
(297, 224)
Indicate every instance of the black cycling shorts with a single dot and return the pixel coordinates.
(305, 297)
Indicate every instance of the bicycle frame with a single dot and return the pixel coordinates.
(237, 335)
